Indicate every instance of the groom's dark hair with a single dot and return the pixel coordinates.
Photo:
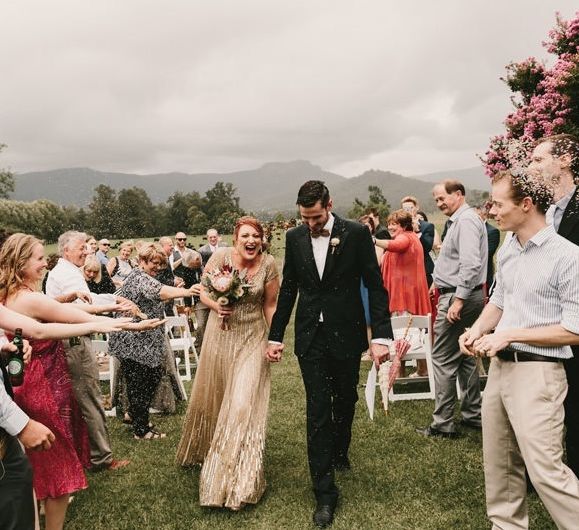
(311, 192)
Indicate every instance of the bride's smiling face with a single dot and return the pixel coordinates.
(248, 242)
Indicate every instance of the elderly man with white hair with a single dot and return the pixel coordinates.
(66, 283)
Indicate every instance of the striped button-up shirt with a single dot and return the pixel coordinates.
(462, 262)
(538, 285)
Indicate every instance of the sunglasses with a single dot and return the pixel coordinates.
(106, 244)
(181, 238)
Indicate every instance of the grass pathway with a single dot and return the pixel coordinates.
(399, 480)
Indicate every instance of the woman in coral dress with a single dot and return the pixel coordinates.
(224, 428)
(403, 271)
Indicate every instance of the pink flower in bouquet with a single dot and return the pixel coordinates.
(221, 283)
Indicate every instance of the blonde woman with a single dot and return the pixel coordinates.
(97, 277)
(119, 267)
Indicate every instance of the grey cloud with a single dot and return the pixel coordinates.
(196, 86)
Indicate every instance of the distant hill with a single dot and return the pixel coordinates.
(272, 187)
(472, 177)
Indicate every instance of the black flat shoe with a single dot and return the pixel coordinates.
(431, 432)
(323, 515)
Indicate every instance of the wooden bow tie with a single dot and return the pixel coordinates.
(323, 233)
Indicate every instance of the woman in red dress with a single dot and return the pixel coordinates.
(403, 271)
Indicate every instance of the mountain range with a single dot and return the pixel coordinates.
(271, 187)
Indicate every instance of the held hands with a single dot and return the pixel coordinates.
(466, 342)
(36, 436)
(490, 344)
(273, 352)
(379, 353)
(473, 342)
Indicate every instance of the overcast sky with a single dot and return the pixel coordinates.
(157, 86)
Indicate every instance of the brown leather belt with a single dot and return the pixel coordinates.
(446, 290)
(524, 356)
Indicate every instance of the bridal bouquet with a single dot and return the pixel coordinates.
(226, 286)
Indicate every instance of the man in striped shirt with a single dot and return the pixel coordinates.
(534, 311)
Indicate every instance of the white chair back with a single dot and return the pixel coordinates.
(418, 331)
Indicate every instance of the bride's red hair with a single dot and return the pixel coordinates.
(251, 221)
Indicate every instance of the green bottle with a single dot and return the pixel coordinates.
(16, 360)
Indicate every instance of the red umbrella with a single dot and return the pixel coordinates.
(401, 347)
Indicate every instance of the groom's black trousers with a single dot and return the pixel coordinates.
(331, 394)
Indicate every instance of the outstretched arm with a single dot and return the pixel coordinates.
(10, 320)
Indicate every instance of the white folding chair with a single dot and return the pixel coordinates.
(182, 342)
(420, 337)
(100, 348)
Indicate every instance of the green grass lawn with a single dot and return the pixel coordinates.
(399, 480)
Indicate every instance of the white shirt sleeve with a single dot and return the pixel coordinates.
(66, 278)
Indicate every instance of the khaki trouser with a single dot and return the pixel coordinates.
(84, 372)
(522, 418)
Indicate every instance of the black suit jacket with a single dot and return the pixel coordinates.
(494, 239)
(206, 252)
(569, 229)
(427, 240)
(336, 295)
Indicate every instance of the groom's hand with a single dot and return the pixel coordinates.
(273, 352)
(380, 353)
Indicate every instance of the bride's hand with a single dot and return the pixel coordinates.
(224, 311)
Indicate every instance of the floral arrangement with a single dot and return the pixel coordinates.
(227, 286)
(546, 100)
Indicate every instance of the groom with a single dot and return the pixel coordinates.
(325, 259)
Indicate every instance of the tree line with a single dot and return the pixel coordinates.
(127, 213)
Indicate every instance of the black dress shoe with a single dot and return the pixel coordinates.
(431, 432)
(342, 464)
(324, 515)
(470, 424)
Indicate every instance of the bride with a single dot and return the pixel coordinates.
(224, 428)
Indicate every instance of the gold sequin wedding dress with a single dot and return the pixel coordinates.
(224, 428)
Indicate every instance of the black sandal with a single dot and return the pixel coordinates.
(151, 435)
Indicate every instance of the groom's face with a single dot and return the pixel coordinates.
(316, 216)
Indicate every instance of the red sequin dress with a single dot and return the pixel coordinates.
(47, 397)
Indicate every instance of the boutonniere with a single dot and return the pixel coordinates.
(334, 242)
